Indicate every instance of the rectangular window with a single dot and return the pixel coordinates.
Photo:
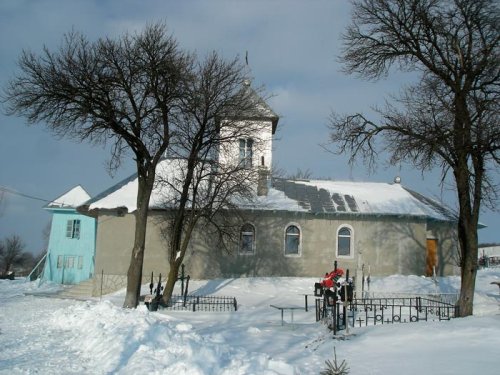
(76, 228)
(247, 236)
(70, 262)
(246, 152)
(344, 246)
(247, 239)
(246, 243)
(73, 229)
(69, 229)
(292, 245)
(80, 262)
(59, 261)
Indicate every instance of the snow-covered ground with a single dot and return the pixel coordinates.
(40, 335)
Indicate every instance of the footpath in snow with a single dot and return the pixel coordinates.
(40, 335)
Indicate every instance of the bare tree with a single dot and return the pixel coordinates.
(46, 236)
(126, 90)
(11, 253)
(2, 200)
(209, 179)
(148, 96)
(39, 259)
(301, 174)
(449, 119)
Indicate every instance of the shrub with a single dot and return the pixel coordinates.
(333, 368)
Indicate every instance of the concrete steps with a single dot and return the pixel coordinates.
(78, 291)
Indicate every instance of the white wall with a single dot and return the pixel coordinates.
(259, 131)
(489, 251)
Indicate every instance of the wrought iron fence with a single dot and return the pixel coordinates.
(384, 310)
(450, 298)
(489, 261)
(202, 303)
(398, 310)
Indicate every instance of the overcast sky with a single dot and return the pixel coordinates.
(293, 50)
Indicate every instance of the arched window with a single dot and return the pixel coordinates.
(247, 239)
(344, 242)
(292, 240)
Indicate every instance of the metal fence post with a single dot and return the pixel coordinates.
(182, 278)
(102, 279)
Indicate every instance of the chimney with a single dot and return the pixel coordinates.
(262, 182)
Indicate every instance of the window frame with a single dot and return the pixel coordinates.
(240, 247)
(73, 228)
(351, 241)
(246, 152)
(69, 261)
(285, 234)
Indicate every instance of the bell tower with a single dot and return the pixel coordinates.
(256, 125)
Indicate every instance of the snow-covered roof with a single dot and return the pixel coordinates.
(258, 108)
(71, 199)
(124, 194)
(367, 198)
(308, 196)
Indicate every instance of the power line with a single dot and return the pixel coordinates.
(5, 189)
(11, 191)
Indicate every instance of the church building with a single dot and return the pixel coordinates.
(290, 228)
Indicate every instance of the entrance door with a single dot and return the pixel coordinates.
(432, 258)
(69, 270)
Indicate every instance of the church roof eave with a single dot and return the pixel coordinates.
(69, 200)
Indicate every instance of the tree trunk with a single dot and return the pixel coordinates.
(469, 252)
(172, 278)
(177, 251)
(468, 282)
(174, 243)
(134, 274)
(467, 235)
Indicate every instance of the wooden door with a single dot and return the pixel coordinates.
(432, 258)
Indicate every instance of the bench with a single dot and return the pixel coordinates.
(496, 283)
(283, 308)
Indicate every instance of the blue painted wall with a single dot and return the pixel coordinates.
(71, 253)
